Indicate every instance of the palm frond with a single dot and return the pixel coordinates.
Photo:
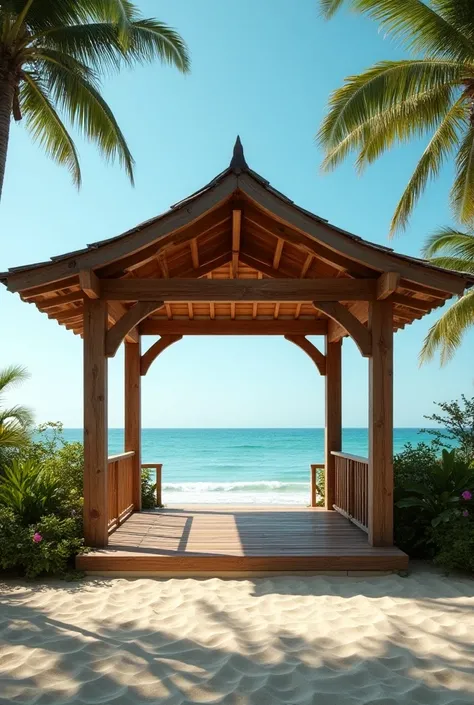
(451, 242)
(47, 128)
(458, 264)
(330, 7)
(462, 192)
(443, 142)
(95, 45)
(419, 27)
(414, 116)
(383, 86)
(11, 376)
(81, 101)
(150, 39)
(458, 13)
(20, 415)
(447, 333)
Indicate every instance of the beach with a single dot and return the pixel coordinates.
(293, 640)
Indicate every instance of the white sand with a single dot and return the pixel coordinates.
(318, 640)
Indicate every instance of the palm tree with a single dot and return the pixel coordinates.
(16, 421)
(454, 250)
(430, 95)
(52, 53)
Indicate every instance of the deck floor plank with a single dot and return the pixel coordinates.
(216, 539)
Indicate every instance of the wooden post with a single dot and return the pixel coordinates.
(333, 437)
(159, 501)
(380, 500)
(133, 416)
(95, 423)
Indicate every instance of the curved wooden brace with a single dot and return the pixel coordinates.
(129, 320)
(357, 331)
(316, 355)
(156, 349)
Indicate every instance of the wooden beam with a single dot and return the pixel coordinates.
(156, 349)
(236, 233)
(278, 253)
(95, 424)
(341, 243)
(276, 312)
(238, 289)
(306, 266)
(154, 326)
(194, 253)
(357, 331)
(261, 266)
(190, 311)
(133, 429)
(54, 301)
(381, 425)
(89, 283)
(115, 311)
(311, 350)
(163, 265)
(129, 320)
(387, 284)
(298, 310)
(416, 304)
(333, 425)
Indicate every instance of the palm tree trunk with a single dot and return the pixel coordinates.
(6, 102)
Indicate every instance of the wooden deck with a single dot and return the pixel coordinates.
(221, 540)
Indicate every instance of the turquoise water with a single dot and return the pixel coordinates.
(241, 466)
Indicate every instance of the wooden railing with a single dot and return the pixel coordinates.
(315, 488)
(352, 488)
(157, 467)
(120, 488)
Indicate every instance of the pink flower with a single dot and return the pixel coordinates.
(465, 513)
(466, 495)
(37, 537)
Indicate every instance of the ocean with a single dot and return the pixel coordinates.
(241, 466)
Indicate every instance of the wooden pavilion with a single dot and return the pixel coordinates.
(238, 258)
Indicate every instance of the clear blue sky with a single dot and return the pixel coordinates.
(265, 70)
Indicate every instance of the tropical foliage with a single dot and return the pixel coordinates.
(449, 479)
(52, 54)
(430, 95)
(452, 249)
(456, 424)
(29, 490)
(15, 421)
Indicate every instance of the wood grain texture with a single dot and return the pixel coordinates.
(131, 318)
(247, 538)
(358, 332)
(89, 283)
(387, 284)
(95, 423)
(381, 425)
(254, 326)
(333, 425)
(238, 289)
(132, 402)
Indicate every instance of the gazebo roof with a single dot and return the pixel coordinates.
(236, 227)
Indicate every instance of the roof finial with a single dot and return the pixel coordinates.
(238, 159)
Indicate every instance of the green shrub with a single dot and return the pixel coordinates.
(413, 464)
(48, 547)
(148, 489)
(454, 544)
(29, 490)
(457, 427)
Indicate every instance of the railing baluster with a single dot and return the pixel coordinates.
(351, 492)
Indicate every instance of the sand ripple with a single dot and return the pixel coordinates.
(296, 641)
